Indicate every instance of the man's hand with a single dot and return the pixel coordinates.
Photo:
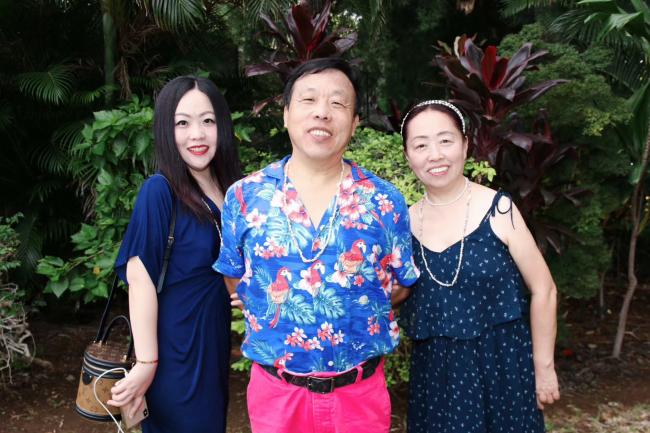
(399, 294)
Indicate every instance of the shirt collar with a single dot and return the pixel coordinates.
(276, 169)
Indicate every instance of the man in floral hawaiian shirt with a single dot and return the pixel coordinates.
(312, 245)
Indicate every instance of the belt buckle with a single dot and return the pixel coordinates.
(320, 385)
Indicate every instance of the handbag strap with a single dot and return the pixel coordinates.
(168, 248)
(161, 277)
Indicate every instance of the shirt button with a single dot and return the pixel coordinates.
(331, 363)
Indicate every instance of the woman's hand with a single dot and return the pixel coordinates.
(235, 302)
(547, 389)
(130, 390)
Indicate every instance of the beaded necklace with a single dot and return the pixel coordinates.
(452, 201)
(330, 229)
(214, 220)
(462, 241)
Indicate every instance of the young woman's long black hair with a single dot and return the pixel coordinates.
(224, 167)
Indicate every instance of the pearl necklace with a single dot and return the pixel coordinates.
(462, 241)
(452, 201)
(214, 220)
(330, 229)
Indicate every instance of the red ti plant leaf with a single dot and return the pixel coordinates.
(488, 65)
(299, 36)
(301, 28)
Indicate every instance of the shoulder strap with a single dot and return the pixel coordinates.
(168, 248)
(170, 241)
(494, 207)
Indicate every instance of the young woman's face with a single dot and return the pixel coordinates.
(435, 149)
(195, 130)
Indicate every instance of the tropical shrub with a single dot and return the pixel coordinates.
(16, 341)
(112, 161)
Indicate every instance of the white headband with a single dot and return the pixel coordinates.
(434, 102)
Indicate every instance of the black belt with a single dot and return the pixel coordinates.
(325, 385)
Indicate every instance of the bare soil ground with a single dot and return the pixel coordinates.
(599, 394)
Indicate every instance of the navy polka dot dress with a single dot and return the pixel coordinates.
(471, 366)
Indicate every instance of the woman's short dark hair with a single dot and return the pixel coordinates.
(315, 66)
(413, 112)
(224, 167)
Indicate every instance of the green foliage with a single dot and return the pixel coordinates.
(176, 15)
(52, 86)
(8, 245)
(479, 171)
(15, 338)
(382, 154)
(111, 163)
(397, 363)
(594, 107)
(588, 254)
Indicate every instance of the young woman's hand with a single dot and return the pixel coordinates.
(235, 302)
(547, 388)
(130, 390)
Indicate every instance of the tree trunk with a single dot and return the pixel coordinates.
(632, 282)
(110, 45)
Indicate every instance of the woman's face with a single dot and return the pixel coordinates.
(435, 149)
(195, 130)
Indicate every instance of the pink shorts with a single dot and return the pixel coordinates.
(275, 406)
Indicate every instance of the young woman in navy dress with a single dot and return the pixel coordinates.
(482, 353)
(181, 335)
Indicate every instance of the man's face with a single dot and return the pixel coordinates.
(321, 116)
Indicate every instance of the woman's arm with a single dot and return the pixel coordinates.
(537, 277)
(143, 310)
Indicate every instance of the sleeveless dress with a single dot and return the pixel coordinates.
(189, 392)
(471, 366)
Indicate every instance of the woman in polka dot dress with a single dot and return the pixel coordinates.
(482, 354)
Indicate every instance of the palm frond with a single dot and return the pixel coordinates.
(58, 230)
(31, 242)
(629, 68)
(378, 18)
(68, 135)
(576, 26)
(597, 21)
(87, 97)
(178, 15)
(6, 116)
(52, 86)
(275, 8)
(42, 190)
(50, 159)
(513, 7)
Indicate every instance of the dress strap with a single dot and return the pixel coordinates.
(494, 207)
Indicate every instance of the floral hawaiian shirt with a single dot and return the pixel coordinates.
(332, 313)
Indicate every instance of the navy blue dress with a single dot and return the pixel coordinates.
(471, 367)
(190, 390)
